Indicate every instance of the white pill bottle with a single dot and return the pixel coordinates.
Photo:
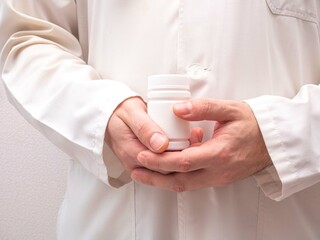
(164, 91)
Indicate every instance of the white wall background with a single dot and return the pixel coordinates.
(32, 179)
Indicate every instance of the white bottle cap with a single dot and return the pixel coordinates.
(169, 81)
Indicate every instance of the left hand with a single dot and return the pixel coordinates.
(235, 151)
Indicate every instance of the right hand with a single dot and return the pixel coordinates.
(130, 130)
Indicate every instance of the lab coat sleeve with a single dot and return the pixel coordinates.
(53, 88)
(291, 131)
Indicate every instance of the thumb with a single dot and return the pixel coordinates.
(207, 109)
(133, 113)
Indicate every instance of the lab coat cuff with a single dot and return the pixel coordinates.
(109, 168)
(276, 180)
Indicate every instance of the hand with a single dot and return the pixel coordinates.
(130, 131)
(235, 151)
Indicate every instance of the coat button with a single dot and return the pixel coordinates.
(196, 71)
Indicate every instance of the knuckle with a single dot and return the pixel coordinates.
(178, 185)
(226, 178)
(185, 164)
(206, 107)
(223, 154)
(225, 109)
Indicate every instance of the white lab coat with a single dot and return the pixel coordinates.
(66, 65)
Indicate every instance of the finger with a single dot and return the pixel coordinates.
(128, 154)
(196, 136)
(207, 109)
(177, 182)
(133, 113)
(123, 143)
(189, 159)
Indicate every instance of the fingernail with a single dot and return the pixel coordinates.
(157, 141)
(183, 108)
(142, 158)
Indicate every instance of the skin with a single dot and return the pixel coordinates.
(130, 131)
(235, 151)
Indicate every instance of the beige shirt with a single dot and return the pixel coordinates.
(66, 66)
